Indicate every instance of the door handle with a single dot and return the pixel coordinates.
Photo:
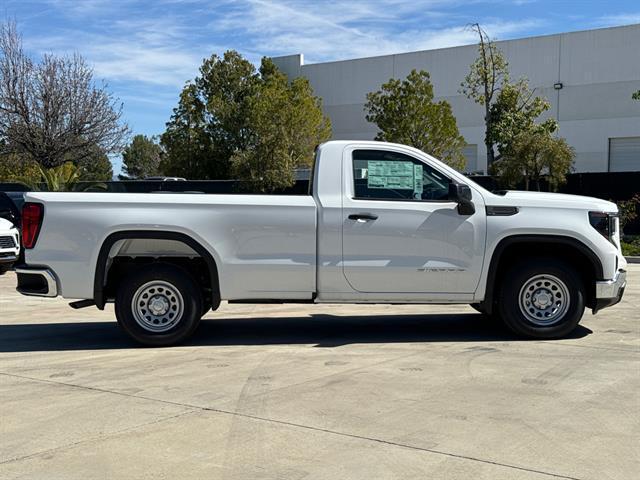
(363, 216)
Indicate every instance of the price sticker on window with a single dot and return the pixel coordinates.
(395, 175)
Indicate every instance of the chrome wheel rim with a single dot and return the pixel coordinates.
(544, 300)
(157, 306)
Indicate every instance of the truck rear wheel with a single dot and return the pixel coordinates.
(542, 298)
(158, 306)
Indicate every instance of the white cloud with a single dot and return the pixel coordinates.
(620, 19)
(153, 51)
(84, 7)
(162, 66)
(346, 29)
(164, 43)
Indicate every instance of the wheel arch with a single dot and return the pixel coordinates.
(100, 276)
(549, 245)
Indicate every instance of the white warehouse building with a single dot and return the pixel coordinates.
(587, 76)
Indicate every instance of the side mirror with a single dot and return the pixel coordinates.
(461, 194)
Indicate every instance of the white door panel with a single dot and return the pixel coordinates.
(410, 246)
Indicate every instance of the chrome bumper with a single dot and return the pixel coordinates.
(37, 282)
(612, 288)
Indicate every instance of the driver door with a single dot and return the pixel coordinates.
(401, 233)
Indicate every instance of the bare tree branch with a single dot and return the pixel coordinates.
(52, 110)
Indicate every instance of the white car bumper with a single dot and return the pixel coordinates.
(9, 246)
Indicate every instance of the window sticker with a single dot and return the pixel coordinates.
(417, 181)
(391, 174)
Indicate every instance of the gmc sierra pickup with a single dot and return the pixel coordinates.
(383, 223)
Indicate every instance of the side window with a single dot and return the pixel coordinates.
(384, 175)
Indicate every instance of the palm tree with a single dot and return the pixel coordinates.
(63, 178)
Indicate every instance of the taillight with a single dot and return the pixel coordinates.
(31, 221)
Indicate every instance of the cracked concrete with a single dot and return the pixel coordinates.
(317, 392)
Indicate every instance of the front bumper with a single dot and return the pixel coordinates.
(36, 281)
(10, 248)
(609, 292)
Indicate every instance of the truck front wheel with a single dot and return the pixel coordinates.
(542, 298)
(159, 305)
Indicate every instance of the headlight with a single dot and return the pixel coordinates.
(605, 223)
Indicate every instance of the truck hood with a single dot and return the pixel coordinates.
(517, 198)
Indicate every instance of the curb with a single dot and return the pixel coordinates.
(632, 259)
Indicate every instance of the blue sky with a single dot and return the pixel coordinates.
(147, 50)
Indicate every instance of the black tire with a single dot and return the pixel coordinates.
(541, 287)
(174, 289)
(4, 269)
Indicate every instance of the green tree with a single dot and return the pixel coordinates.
(94, 165)
(233, 121)
(515, 112)
(526, 148)
(534, 155)
(405, 112)
(17, 168)
(98, 169)
(628, 210)
(636, 95)
(141, 158)
(63, 178)
(210, 122)
(486, 76)
(285, 124)
(187, 145)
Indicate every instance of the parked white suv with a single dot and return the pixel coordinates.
(382, 223)
(9, 245)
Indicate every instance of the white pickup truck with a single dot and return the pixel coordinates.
(382, 223)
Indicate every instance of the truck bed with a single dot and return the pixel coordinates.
(264, 245)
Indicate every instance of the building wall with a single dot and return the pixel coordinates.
(598, 69)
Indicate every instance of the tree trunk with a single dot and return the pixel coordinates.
(490, 153)
(488, 93)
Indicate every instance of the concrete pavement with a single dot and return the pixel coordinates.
(317, 392)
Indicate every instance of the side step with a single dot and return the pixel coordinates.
(82, 304)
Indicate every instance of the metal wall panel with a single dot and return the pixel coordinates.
(598, 69)
(471, 154)
(624, 154)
